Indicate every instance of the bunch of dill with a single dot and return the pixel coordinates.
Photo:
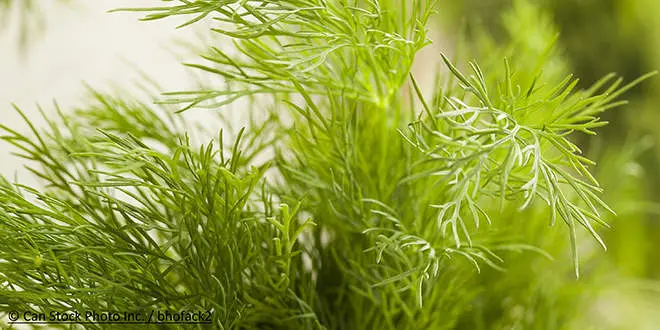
(355, 201)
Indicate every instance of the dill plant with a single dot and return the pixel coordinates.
(377, 206)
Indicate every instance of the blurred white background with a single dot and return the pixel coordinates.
(83, 43)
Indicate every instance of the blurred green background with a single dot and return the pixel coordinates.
(596, 37)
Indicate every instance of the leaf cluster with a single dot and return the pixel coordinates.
(126, 224)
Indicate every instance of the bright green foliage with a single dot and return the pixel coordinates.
(514, 147)
(407, 211)
(330, 48)
(124, 225)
